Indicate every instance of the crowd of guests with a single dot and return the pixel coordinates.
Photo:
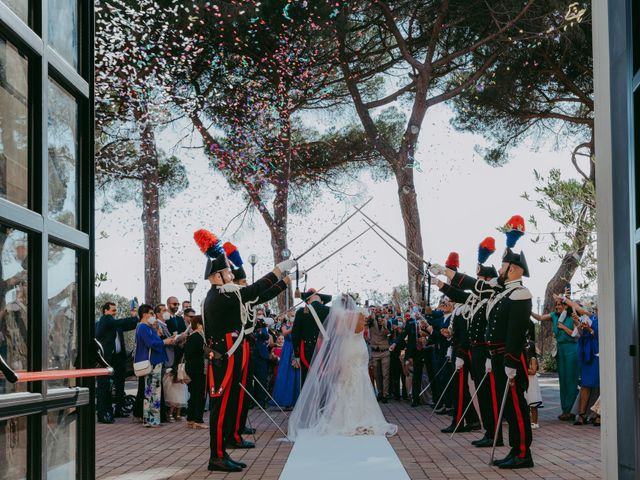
(409, 350)
(171, 338)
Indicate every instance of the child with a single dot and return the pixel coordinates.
(533, 394)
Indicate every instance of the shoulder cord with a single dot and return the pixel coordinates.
(496, 298)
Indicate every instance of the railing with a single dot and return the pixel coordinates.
(21, 377)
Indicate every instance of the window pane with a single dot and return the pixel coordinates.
(13, 448)
(63, 302)
(61, 444)
(63, 150)
(19, 7)
(14, 125)
(14, 339)
(63, 29)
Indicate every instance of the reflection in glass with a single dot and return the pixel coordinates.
(14, 125)
(13, 303)
(19, 7)
(63, 147)
(61, 444)
(13, 448)
(63, 302)
(63, 29)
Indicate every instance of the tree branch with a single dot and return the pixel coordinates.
(402, 44)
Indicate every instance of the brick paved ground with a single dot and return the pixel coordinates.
(126, 451)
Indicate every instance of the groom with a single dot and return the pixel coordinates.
(306, 330)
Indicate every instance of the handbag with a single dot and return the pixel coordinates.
(182, 373)
(143, 367)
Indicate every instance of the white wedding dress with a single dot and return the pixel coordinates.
(337, 397)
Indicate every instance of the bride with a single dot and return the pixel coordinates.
(338, 398)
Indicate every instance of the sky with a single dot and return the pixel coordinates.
(461, 200)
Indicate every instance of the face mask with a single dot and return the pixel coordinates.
(166, 316)
(152, 320)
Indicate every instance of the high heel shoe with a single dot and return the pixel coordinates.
(580, 419)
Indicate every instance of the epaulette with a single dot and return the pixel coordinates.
(521, 294)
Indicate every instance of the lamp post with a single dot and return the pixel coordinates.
(253, 259)
(190, 286)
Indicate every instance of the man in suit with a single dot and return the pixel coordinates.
(109, 332)
(176, 322)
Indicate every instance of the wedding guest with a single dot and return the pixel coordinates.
(194, 357)
(150, 346)
(533, 394)
(562, 324)
(586, 329)
(287, 384)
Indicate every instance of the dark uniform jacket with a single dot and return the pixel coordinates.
(176, 324)
(305, 327)
(222, 309)
(507, 312)
(107, 328)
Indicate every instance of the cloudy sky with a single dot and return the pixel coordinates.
(461, 200)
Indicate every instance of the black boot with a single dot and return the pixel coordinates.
(248, 431)
(241, 444)
(516, 462)
(508, 458)
(240, 464)
(449, 429)
(487, 442)
(223, 465)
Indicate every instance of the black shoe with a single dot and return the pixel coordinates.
(240, 464)
(242, 444)
(385, 400)
(449, 429)
(473, 427)
(508, 458)
(517, 462)
(248, 431)
(486, 437)
(223, 465)
(106, 418)
(121, 414)
(488, 442)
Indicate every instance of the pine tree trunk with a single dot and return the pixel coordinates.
(279, 235)
(150, 207)
(413, 235)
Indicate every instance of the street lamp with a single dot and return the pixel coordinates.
(190, 286)
(253, 259)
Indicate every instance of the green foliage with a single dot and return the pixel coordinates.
(548, 363)
(542, 87)
(571, 204)
(122, 304)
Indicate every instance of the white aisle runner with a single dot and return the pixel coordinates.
(338, 457)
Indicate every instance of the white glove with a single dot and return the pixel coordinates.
(511, 372)
(487, 365)
(292, 275)
(287, 265)
(436, 269)
(459, 363)
(449, 353)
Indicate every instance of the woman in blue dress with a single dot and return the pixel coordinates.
(287, 386)
(588, 359)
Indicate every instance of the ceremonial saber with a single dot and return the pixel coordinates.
(263, 410)
(395, 239)
(338, 250)
(470, 403)
(391, 246)
(267, 392)
(434, 379)
(499, 422)
(443, 393)
(358, 209)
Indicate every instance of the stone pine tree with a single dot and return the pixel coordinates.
(137, 48)
(251, 95)
(543, 91)
(416, 55)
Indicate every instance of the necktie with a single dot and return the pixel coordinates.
(118, 344)
(418, 344)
